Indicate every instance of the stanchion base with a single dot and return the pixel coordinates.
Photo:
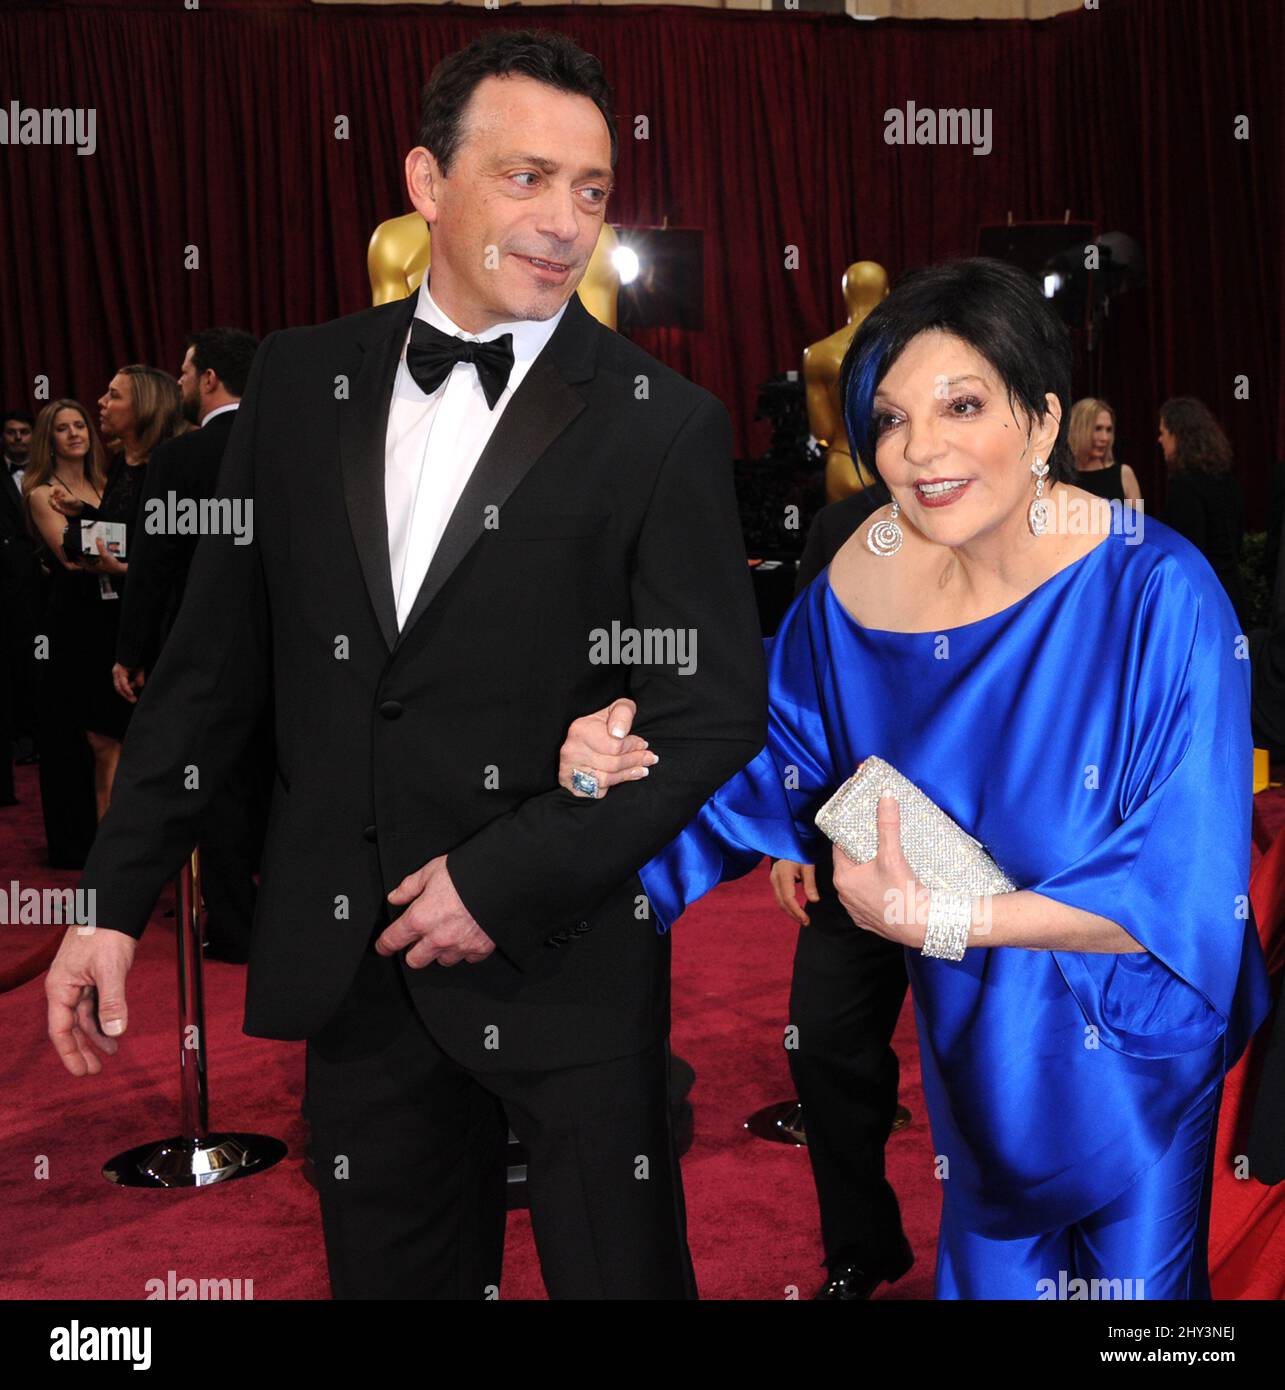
(183, 1162)
(782, 1123)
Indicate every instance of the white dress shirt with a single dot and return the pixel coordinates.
(16, 476)
(434, 442)
(218, 410)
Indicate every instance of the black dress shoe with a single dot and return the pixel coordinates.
(852, 1281)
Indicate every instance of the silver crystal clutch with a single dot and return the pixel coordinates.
(942, 855)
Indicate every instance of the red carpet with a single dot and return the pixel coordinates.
(70, 1234)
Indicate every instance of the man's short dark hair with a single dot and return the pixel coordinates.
(539, 53)
(227, 352)
(24, 417)
(996, 309)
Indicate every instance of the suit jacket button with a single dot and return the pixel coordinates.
(390, 709)
(371, 833)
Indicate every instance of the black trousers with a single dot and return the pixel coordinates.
(8, 682)
(409, 1152)
(231, 842)
(846, 994)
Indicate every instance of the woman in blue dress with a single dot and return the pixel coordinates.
(1071, 687)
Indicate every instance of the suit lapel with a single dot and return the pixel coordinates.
(12, 502)
(363, 429)
(537, 413)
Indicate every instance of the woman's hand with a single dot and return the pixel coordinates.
(108, 564)
(128, 680)
(884, 896)
(785, 875)
(600, 745)
(62, 501)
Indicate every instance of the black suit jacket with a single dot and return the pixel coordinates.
(20, 579)
(604, 496)
(1209, 510)
(159, 560)
(830, 528)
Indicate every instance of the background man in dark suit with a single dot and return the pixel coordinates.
(455, 497)
(216, 367)
(183, 472)
(21, 598)
(845, 996)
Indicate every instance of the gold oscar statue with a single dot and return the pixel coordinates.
(864, 284)
(399, 253)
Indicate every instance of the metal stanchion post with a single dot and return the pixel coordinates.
(194, 1158)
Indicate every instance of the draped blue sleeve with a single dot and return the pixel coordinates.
(768, 807)
(1173, 873)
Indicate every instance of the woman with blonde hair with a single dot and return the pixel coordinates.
(141, 408)
(1091, 440)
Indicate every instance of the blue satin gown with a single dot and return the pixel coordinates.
(1095, 737)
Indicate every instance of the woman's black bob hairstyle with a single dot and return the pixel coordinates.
(995, 308)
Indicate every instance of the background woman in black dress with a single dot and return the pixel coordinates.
(141, 408)
(1091, 439)
(66, 453)
(1204, 501)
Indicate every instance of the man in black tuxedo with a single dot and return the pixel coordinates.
(183, 473)
(21, 589)
(459, 547)
(212, 378)
(845, 997)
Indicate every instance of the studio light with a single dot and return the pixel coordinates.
(625, 259)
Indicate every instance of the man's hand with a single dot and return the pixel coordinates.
(436, 925)
(785, 875)
(128, 680)
(85, 993)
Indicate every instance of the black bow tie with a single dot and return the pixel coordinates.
(431, 354)
(14, 467)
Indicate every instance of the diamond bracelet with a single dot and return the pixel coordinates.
(950, 916)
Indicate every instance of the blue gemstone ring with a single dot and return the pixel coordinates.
(584, 782)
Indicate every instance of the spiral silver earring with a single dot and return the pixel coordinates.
(885, 537)
(1037, 514)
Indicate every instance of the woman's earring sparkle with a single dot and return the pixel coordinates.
(1037, 513)
(885, 537)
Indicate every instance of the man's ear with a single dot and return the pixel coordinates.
(423, 182)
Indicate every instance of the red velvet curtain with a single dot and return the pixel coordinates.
(215, 130)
